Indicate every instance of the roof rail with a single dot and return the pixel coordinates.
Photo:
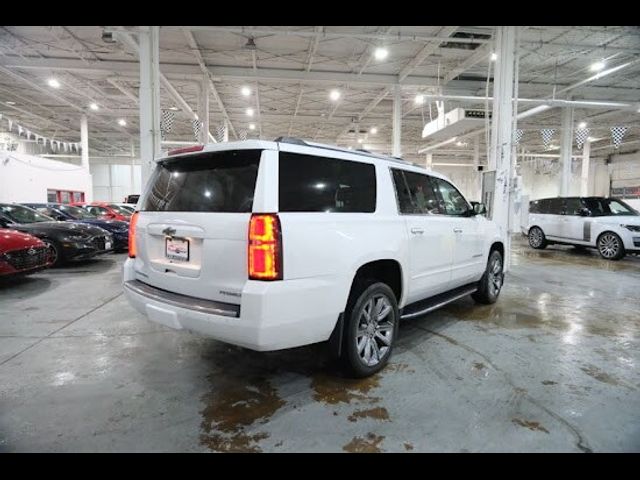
(293, 140)
(361, 151)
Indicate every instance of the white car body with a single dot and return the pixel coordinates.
(322, 251)
(585, 230)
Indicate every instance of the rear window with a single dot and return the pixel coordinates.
(318, 184)
(208, 182)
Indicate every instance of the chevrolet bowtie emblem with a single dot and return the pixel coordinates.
(169, 231)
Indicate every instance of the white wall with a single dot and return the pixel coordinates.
(25, 178)
(112, 183)
(465, 178)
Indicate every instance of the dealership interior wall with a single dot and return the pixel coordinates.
(554, 110)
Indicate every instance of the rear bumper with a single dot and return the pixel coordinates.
(270, 316)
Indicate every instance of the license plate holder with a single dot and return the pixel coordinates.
(176, 248)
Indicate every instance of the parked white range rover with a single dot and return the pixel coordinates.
(608, 224)
(273, 245)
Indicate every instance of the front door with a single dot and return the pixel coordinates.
(431, 235)
(468, 258)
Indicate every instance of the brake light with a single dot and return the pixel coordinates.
(132, 234)
(178, 151)
(265, 247)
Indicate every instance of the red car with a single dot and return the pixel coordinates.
(105, 210)
(21, 254)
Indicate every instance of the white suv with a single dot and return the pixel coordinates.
(273, 245)
(608, 224)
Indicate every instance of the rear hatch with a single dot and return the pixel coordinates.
(191, 233)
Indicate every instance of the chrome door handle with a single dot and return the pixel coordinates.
(417, 231)
(457, 230)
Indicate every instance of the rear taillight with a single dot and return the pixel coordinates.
(132, 235)
(265, 247)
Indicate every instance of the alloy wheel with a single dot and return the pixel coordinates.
(609, 245)
(535, 237)
(375, 330)
(53, 253)
(495, 276)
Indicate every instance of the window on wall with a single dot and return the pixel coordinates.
(64, 196)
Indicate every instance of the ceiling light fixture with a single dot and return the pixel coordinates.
(11, 103)
(373, 130)
(359, 140)
(494, 56)
(246, 91)
(582, 125)
(250, 112)
(381, 53)
(334, 95)
(252, 126)
(94, 107)
(122, 122)
(597, 66)
(175, 109)
(419, 100)
(53, 83)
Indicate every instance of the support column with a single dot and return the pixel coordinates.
(584, 177)
(397, 122)
(203, 110)
(429, 161)
(132, 177)
(149, 100)
(565, 150)
(502, 126)
(476, 164)
(84, 142)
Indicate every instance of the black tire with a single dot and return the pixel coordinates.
(55, 251)
(610, 246)
(374, 338)
(537, 238)
(491, 282)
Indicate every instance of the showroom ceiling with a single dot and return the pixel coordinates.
(290, 73)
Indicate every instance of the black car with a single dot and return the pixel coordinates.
(69, 213)
(66, 241)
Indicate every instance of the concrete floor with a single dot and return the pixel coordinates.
(553, 366)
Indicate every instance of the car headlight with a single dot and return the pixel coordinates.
(633, 228)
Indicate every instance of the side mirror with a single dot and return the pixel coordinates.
(479, 208)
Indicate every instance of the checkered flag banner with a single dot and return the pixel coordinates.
(197, 126)
(581, 136)
(243, 135)
(166, 122)
(518, 136)
(617, 133)
(220, 130)
(547, 135)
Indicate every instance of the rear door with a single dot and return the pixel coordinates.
(193, 224)
(431, 235)
(573, 223)
(551, 217)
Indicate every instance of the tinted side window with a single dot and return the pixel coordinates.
(572, 206)
(453, 201)
(415, 193)
(318, 184)
(555, 206)
(534, 207)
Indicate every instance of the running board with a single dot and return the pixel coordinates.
(433, 303)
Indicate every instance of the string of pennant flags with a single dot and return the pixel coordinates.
(55, 144)
(581, 136)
